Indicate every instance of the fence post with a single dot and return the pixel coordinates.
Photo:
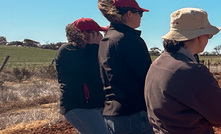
(209, 64)
(6, 59)
(49, 67)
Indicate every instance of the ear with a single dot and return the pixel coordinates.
(199, 38)
(129, 14)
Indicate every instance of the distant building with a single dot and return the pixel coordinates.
(31, 43)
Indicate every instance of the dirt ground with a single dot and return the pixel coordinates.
(59, 128)
(38, 127)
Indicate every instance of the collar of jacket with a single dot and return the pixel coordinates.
(124, 29)
(187, 53)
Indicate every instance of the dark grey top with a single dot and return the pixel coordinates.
(124, 61)
(182, 96)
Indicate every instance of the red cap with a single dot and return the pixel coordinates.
(88, 24)
(129, 3)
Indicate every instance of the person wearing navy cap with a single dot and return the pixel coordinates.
(124, 61)
(78, 74)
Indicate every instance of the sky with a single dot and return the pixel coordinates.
(45, 20)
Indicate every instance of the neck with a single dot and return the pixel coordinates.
(192, 46)
(129, 25)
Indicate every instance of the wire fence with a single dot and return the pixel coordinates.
(213, 67)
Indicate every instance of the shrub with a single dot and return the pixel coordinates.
(21, 74)
(46, 72)
(1, 84)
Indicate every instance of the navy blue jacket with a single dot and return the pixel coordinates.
(124, 61)
(76, 68)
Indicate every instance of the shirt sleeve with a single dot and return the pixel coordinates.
(201, 92)
(209, 99)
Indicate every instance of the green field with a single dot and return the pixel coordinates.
(36, 57)
(211, 59)
(26, 56)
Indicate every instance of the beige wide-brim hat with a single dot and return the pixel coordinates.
(189, 23)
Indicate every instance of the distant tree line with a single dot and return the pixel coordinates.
(154, 51)
(30, 43)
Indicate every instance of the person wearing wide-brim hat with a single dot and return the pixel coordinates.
(181, 94)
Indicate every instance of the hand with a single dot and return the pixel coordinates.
(95, 37)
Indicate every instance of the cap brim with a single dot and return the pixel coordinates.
(144, 10)
(103, 28)
(191, 34)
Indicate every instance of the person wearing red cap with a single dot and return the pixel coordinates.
(124, 61)
(78, 74)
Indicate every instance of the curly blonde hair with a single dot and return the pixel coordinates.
(75, 36)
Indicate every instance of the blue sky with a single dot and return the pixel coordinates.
(45, 20)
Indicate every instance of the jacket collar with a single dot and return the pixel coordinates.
(124, 29)
(187, 53)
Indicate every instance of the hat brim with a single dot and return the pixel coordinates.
(144, 10)
(190, 34)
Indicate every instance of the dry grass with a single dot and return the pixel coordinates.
(24, 126)
(41, 127)
(28, 114)
(29, 101)
(32, 107)
(28, 93)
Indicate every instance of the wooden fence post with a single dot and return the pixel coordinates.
(208, 64)
(6, 59)
(49, 67)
